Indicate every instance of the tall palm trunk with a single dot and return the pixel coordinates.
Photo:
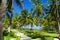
(58, 16)
(9, 28)
(2, 14)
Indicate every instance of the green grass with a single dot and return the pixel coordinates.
(49, 38)
(39, 32)
(49, 34)
(41, 35)
(7, 37)
(10, 35)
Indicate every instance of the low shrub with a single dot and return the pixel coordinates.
(5, 33)
(12, 34)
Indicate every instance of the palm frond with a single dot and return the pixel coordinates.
(20, 3)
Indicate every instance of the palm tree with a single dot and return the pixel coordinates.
(30, 20)
(54, 12)
(15, 20)
(37, 11)
(10, 10)
(58, 15)
(26, 18)
(23, 17)
(3, 8)
(38, 7)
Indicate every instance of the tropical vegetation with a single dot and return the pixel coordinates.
(46, 17)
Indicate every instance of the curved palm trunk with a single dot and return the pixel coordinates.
(2, 15)
(9, 27)
(32, 26)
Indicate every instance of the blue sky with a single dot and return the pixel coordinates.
(28, 5)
